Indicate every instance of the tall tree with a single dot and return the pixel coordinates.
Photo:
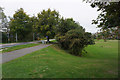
(20, 24)
(47, 21)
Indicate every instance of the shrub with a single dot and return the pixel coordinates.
(75, 41)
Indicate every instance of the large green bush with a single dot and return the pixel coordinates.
(75, 41)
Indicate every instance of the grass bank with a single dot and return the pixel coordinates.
(101, 61)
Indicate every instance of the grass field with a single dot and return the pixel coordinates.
(101, 61)
(8, 49)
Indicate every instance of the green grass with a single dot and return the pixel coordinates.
(8, 49)
(101, 61)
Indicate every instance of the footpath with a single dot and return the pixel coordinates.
(8, 56)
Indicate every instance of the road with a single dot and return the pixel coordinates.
(22, 43)
(15, 44)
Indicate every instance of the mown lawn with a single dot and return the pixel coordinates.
(101, 61)
(8, 49)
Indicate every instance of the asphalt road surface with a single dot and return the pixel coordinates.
(8, 56)
(15, 44)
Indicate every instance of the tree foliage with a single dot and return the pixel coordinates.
(3, 26)
(72, 37)
(20, 24)
(75, 40)
(65, 25)
(3, 19)
(109, 16)
(110, 13)
(47, 21)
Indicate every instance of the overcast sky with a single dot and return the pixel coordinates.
(76, 9)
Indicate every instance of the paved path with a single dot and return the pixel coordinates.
(8, 56)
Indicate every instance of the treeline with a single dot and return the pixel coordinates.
(33, 28)
(108, 34)
(69, 34)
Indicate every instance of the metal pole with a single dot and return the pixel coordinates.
(16, 37)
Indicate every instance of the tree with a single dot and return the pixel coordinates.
(3, 26)
(72, 37)
(110, 13)
(109, 16)
(33, 21)
(3, 20)
(65, 25)
(47, 21)
(20, 24)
